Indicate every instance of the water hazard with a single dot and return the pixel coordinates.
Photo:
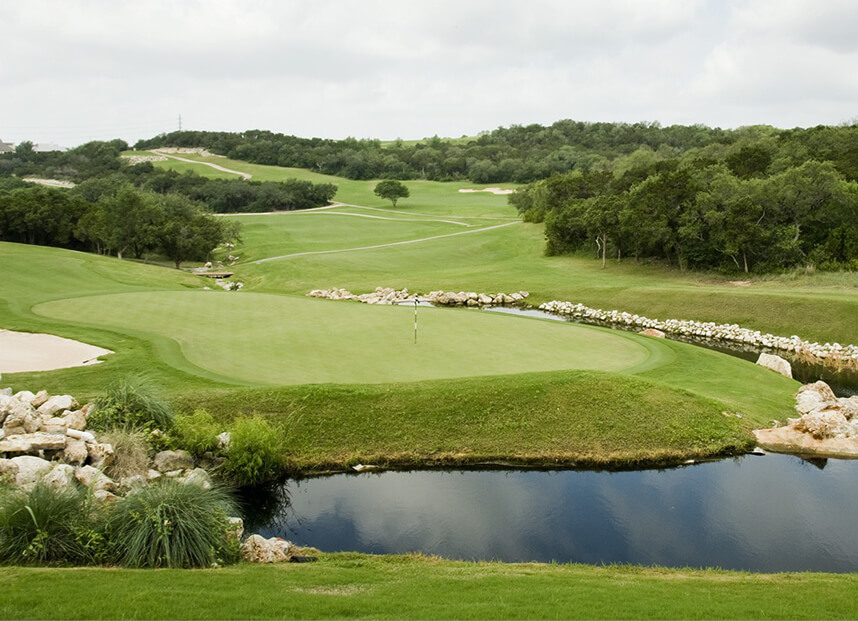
(770, 513)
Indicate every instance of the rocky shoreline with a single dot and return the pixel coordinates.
(832, 355)
(388, 295)
(44, 438)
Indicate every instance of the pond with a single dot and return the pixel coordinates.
(758, 513)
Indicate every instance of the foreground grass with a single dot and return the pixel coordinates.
(357, 586)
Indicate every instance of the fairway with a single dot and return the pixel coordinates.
(254, 339)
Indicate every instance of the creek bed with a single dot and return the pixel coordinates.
(758, 513)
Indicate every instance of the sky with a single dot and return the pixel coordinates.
(80, 70)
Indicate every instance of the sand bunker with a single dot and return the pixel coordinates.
(25, 351)
(491, 190)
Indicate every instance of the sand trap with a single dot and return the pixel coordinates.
(26, 351)
(491, 190)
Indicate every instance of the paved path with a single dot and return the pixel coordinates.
(243, 175)
(399, 243)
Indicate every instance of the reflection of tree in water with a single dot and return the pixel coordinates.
(265, 507)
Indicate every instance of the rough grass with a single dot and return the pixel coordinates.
(350, 586)
(583, 418)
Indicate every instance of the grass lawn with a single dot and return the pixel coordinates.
(356, 586)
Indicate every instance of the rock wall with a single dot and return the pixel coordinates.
(830, 354)
(387, 295)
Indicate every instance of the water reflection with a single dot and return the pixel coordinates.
(772, 513)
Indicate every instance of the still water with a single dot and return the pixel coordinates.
(759, 513)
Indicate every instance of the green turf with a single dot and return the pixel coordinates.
(356, 586)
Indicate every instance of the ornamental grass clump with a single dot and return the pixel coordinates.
(48, 526)
(131, 403)
(172, 524)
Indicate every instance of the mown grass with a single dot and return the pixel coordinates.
(561, 418)
(358, 586)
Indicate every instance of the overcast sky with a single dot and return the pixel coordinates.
(79, 70)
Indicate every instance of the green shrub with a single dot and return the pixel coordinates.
(196, 432)
(131, 403)
(254, 456)
(48, 526)
(172, 524)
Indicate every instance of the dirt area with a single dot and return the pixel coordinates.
(26, 351)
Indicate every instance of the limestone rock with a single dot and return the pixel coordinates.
(135, 480)
(60, 477)
(826, 423)
(257, 549)
(166, 461)
(21, 418)
(75, 452)
(849, 407)
(57, 403)
(41, 397)
(94, 479)
(54, 425)
(5, 392)
(223, 440)
(104, 496)
(85, 436)
(33, 442)
(8, 469)
(75, 420)
(153, 474)
(24, 396)
(30, 470)
(100, 455)
(198, 476)
(653, 333)
(776, 364)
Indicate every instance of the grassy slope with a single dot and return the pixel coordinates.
(353, 586)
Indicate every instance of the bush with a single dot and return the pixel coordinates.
(254, 453)
(132, 453)
(172, 524)
(131, 403)
(196, 433)
(48, 526)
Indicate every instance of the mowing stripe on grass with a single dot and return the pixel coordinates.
(399, 243)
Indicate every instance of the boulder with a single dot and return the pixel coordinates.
(8, 469)
(24, 395)
(153, 474)
(849, 407)
(75, 452)
(816, 396)
(100, 455)
(776, 364)
(84, 436)
(57, 403)
(54, 425)
(653, 333)
(30, 470)
(167, 461)
(199, 477)
(75, 420)
(21, 418)
(257, 549)
(223, 440)
(60, 477)
(5, 392)
(103, 496)
(33, 442)
(41, 397)
(135, 480)
(825, 423)
(94, 479)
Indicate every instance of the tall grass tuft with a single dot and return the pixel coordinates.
(132, 453)
(172, 524)
(48, 526)
(131, 403)
(197, 432)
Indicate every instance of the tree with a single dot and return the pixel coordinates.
(189, 233)
(391, 190)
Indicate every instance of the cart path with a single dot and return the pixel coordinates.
(243, 175)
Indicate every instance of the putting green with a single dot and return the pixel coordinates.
(256, 338)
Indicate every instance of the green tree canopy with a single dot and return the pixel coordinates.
(391, 190)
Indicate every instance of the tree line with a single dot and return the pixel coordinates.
(521, 154)
(742, 213)
(98, 160)
(111, 216)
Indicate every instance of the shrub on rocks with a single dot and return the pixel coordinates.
(253, 457)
